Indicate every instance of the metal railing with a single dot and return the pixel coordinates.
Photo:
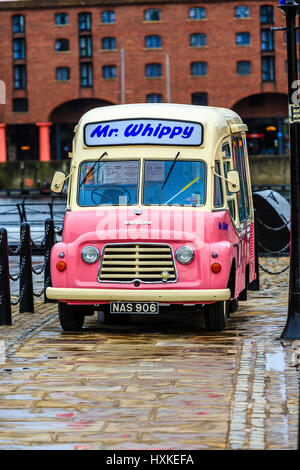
(25, 299)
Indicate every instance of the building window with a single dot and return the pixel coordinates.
(84, 21)
(109, 71)
(243, 67)
(153, 70)
(62, 73)
(109, 44)
(18, 24)
(19, 77)
(198, 40)
(85, 46)
(152, 42)
(86, 75)
(197, 13)
(267, 40)
(61, 19)
(242, 11)
(266, 14)
(19, 49)
(154, 98)
(268, 69)
(153, 14)
(108, 17)
(242, 39)
(20, 105)
(200, 98)
(198, 68)
(62, 45)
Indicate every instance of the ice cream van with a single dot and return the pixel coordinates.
(159, 215)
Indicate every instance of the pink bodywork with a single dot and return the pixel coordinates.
(205, 232)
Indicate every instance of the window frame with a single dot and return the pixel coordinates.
(89, 76)
(111, 67)
(197, 10)
(111, 14)
(85, 20)
(239, 63)
(111, 40)
(197, 64)
(152, 11)
(246, 34)
(153, 65)
(242, 16)
(200, 36)
(61, 15)
(59, 70)
(21, 26)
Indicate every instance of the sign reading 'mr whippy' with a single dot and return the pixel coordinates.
(143, 132)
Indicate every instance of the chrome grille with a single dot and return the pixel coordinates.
(127, 263)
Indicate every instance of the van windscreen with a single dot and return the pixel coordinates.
(181, 183)
(108, 182)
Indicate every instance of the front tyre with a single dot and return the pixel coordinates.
(70, 317)
(216, 315)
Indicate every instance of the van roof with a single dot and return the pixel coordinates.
(185, 112)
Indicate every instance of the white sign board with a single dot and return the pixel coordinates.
(143, 132)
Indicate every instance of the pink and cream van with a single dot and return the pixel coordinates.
(159, 213)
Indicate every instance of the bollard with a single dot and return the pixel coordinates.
(5, 309)
(255, 284)
(26, 285)
(49, 242)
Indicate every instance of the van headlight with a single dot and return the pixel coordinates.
(184, 254)
(90, 254)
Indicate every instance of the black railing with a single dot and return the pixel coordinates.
(25, 299)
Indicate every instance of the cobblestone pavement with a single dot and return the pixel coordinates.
(159, 383)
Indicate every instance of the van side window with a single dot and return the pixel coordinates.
(227, 166)
(218, 192)
(237, 158)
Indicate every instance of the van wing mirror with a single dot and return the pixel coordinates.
(58, 182)
(233, 181)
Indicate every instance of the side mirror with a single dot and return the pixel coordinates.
(58, 182)
(233, 181)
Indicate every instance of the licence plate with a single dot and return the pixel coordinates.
(142, 308)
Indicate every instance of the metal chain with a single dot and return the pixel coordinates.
(47, 283)
(16, 277)
(274, 252)
(23, 290)
(17, 250)
(272, 273)
(42, 243)
(276, 229)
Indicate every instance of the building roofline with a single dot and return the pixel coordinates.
(50, 4)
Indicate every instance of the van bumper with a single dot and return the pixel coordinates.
(139, 295)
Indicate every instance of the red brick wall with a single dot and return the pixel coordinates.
(223, 85)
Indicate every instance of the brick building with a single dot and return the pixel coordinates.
(60, 58)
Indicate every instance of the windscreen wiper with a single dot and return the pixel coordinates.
(91, 171)
(173, 164)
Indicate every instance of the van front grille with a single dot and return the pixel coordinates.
(146, 263)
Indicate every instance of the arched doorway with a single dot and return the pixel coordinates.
(266, 117)
(64, 118)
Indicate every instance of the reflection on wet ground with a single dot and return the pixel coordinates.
(157, 383)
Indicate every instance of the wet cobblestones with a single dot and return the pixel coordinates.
(156, 383)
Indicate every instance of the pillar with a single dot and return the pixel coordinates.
(3, 154)
(44, 127)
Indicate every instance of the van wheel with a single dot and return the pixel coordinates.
(70, 318)
(216, 315)
(233, 305)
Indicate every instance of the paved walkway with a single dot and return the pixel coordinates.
(154, 384)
